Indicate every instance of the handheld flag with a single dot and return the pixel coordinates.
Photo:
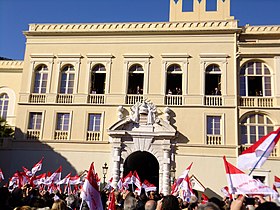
(90, 192)
(241, 183)
(276, 181)
(257, 154)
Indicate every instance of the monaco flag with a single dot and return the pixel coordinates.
(37, 167)
(257, 154)
(241, 183)
(277, 182)
(89, 192)
(1, 175)
(177, 183)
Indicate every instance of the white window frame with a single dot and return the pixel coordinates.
(42, 123)
(144, 61)
(220, 59)
(222, 126)
(68, 59)
(41, 73)
(68, 72)
(104, 59)
(182, 59)
(11, 106)
(86, 121)
(2, 104)
(246, 75)
(35, 61)
(70, 121)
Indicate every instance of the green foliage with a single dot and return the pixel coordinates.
(5, 129)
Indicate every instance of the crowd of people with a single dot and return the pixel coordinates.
(28, 198)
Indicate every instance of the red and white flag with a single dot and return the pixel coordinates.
(120, 184)
(257, 154)
(226, 193)
(241, 183)
(37, 167)
(148, 186)
(90, 192)
(75, 180)
(54, 177)
(277, 182)
(65, 180)
(127, 180)
(187, 191)
(136, 179)
(26, 171)
(176, 186)
(40, 179)
(1, 175)
(112, 200)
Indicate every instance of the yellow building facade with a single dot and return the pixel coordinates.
(151, 97)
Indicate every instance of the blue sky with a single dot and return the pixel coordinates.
(15, 15)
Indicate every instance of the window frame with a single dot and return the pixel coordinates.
(4, 108)
(41, 73)
(244, 78)
(267, 127)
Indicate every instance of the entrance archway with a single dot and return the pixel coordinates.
(146, 166)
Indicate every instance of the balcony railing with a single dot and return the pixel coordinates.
(274, 153)
(33, 134)
(173, 100)
(133, 99)
(214, 140)
(93, 136)
(213, 100)
(256, 101)
(37, 98)
(64, 98)
(61, 135)
(96, 99)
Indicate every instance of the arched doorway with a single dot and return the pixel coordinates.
(146, 166)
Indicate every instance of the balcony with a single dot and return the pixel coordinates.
(33, 134)
(256, 101)
(214, 140)
(61, 135)
(274, 153)
(213, 100)
(173, 100)
(96, 99)
(37, 98)
(133, 99)
(93, 136)
(64, 98)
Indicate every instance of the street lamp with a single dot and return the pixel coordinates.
(105, 168)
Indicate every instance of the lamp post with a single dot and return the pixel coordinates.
(105, 168)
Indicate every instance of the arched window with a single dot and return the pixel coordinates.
(4, 102)
(213, 80)
(98, 79)
(255, 126)
(41, 78)
(67, 79)
(135, 79)
(174, 80)
(255, 79)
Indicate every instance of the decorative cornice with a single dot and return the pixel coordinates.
(134, 27)
(175, 55)
(274, 29)
(213, 55)
(11, 64)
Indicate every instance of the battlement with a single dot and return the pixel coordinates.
(199, 12)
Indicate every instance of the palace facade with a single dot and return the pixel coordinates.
(152, 97)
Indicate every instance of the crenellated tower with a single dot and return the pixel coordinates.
(199, 11)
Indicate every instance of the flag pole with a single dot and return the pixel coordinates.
(229, 174)
(278, 133)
